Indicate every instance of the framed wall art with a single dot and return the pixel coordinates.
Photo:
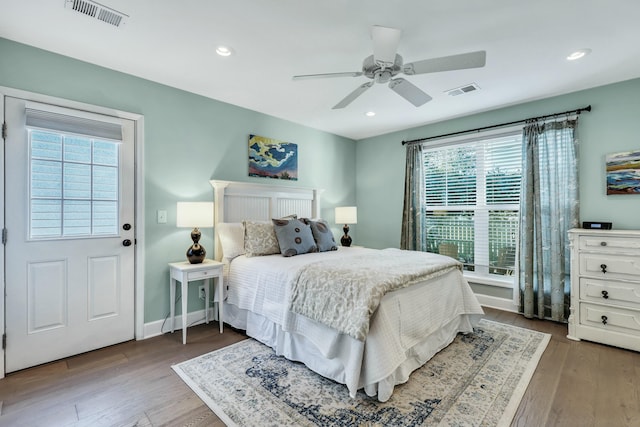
(270, 158)
(623, 173)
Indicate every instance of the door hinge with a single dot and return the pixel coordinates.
(4, 130)
(4, 236)
(4, 341)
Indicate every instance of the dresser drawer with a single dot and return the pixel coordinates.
(626, 294)
(610, 318)
(610, 244)
(610, 266)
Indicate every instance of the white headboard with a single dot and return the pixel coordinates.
(236, 201)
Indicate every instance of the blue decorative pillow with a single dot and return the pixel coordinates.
(294, 236)
(323, 236)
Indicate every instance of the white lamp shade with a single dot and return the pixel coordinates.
(347, 215)
(195, 214)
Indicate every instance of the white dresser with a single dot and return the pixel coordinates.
(605, 287)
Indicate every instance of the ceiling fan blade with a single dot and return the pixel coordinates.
(353, 95)
(409, 91)
(447, 63)
(385, 44)
(328, 75)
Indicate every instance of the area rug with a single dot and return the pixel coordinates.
(478, 380)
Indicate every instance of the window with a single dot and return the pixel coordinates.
(73, 176)
(472, 191)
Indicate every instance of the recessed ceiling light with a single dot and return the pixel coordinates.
(578, 54)
(223, 51)
(370, 113)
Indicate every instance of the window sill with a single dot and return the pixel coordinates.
(484, 280)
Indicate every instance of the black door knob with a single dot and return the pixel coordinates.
(126, 227)
(126, 242)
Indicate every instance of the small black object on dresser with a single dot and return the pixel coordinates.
(589, 225)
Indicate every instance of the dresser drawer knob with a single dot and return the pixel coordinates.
(603, 243)
(605, 294)
(603, 267)
(604, 320)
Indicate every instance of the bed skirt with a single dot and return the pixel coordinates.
(376, 365)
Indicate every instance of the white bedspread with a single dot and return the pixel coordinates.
(408, 328)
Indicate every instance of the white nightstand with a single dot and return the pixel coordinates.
(185, 273)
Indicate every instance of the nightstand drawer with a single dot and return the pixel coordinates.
(195, 275)
(609, 244)
(610, 266)
(624, 294)
(610, 318)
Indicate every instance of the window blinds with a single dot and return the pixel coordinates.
(41, 119)
(472, 191)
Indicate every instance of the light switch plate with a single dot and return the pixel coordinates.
(162, 217)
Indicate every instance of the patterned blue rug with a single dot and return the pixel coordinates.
(478, 380)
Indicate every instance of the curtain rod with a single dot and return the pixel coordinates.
(577, 111)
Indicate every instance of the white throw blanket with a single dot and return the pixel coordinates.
(344, 293)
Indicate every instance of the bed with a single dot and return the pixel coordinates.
(419, 312)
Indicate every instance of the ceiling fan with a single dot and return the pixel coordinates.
(385, 64)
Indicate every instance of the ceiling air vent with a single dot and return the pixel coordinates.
(471, 87)
(97, 11)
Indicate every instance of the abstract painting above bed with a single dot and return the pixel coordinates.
(270, 158)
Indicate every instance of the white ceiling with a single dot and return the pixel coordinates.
(173, 42)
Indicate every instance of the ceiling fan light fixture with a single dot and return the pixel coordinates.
(223, 50)
(580, 53)
(382, 76)
(370, 113)
(385, 64)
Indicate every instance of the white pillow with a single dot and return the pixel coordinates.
(231, 235)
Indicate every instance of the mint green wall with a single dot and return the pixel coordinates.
(189, 140)
(612, 126)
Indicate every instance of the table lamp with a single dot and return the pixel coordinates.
(346, 215)
(196, 215)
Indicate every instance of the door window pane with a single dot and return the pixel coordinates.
(46, 218)
(105, 216)
(77, 181)
(46, 179)
(77, 218)
(105, 183)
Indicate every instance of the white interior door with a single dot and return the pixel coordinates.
(70, 258)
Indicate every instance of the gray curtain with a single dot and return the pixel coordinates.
(548, 209)
(413, 235)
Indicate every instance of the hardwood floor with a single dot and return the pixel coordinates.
(131, 384)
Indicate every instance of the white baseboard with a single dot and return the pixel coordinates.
(159, 327)
(498, 303)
